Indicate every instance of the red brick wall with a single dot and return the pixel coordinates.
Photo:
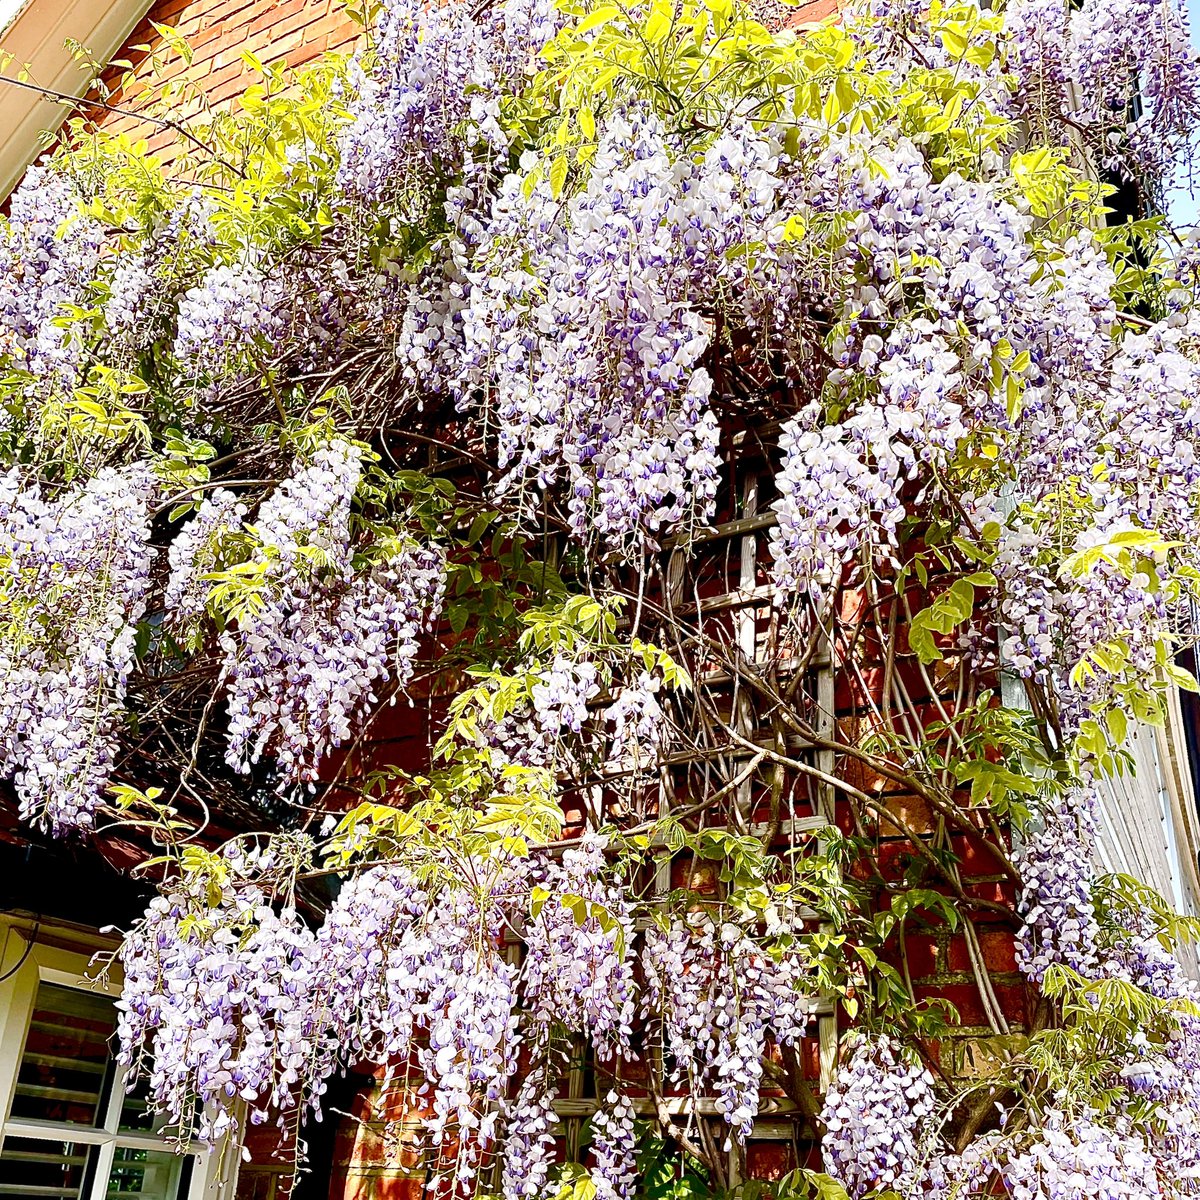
(291, 33)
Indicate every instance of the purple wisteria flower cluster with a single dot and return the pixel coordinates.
(141, 288)
(215, 1005)
(580, 335)
(720, 996)
(529, 1142)
(944, 287)
(428, 102)
(1054, 857)
(49, 251)
(543, 727)
(193, 555)
(614, 1148)
(585, 321)
(874, 1113)
(231, 309)
(578, 973)
(1073, 1153)
(409, 969)
(416, 972)
(74, 580)
(914, 373)
(1122, 69)
(319, 634)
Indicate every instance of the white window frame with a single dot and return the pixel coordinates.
(33, 963)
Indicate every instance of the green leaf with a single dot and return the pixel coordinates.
(597, 17)
(658, 24)
(558, 174)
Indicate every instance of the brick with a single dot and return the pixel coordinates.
(304, 53)
(855, 690)
(914, 813)
(964, 996)
(217, 45)
(343, 43)
(167, 12)
(854, 605)
(997, 947)
(999, 950)
(769, 1160)
(227, 82)
(380, 1187)
(813, 13)
(852, 730)
(283, 18)
(922, 953)
(332, 24)
(276, 48)
(192, 24)
(976, 857)
(219, 13)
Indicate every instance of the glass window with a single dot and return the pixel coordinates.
(147, 1174)
(66, 1060)
(33, 1167)
(74, 1133)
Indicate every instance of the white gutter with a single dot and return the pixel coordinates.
(36, 40)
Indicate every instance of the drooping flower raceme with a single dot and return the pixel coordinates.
(49, 250)
(719, 996)
(581, 337)
(215, 1009)
(233, 308)
(529, 1140)
(1078, 1158)
(614, 1147)
(1055, 860)
(76, 575)
(416, 972)
(428, 104)
(320, 634)
(193, 555)
(578, 973)
(873, 1116)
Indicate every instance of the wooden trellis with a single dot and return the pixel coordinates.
(747, 605)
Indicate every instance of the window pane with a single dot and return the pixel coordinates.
(145, 1174)
(32, 1168)
(255, 1184)
(66, 1062)
(136, 1113)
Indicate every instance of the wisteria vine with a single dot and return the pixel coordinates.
(418, 431)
